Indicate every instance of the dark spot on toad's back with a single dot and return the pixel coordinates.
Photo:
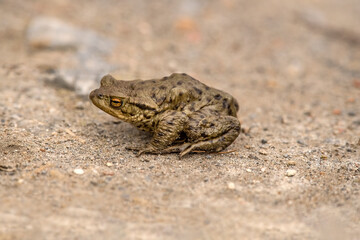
(224, 103)
(217, 97)
(236, 105)
(162, 87)
(198, 90)
(179, 83)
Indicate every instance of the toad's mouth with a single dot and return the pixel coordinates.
(101, 101)
(95, 94)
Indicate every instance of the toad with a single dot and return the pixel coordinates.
(183, 114)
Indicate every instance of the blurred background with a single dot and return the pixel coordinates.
(247, 48)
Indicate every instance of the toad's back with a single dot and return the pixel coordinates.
(182, 92)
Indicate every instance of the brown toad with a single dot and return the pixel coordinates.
(182, 113)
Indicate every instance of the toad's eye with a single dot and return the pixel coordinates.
(116, 102)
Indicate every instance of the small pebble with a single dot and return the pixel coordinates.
(291, 163)
(336, 111)
(350, 100)
(109, 164)
(78, 171)
(263, 169)
(290, 172)
(263, 141)
(308, 113)
(263, 152)
(253, 157)
(56, 174)
(248, 170)
(356, 83)
(231, 185)
(108, 174)
(284, 120)
(79, 105)
(300, 142)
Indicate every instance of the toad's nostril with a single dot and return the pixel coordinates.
(100, 95)
(92, 94)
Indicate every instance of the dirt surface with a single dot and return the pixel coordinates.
(294, 67)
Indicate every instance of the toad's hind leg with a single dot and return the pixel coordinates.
(209, 132)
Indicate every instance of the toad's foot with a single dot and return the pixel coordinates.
(152, 150)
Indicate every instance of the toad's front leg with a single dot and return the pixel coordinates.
(170, 125)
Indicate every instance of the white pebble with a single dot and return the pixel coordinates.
(290, 172)
(78, 171)
(231, 185)
(248, 170)
(109, 164)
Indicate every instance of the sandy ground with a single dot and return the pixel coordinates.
(294, 67)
